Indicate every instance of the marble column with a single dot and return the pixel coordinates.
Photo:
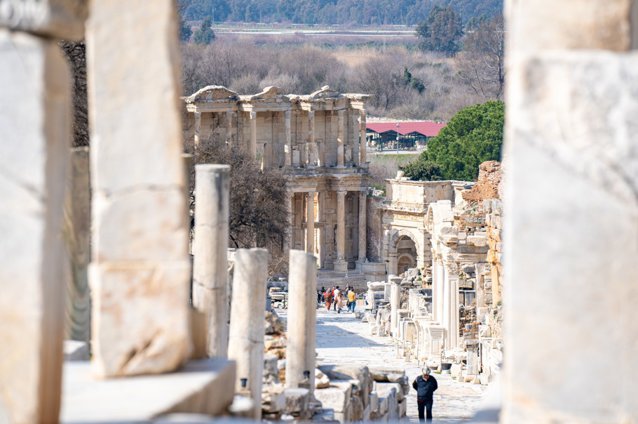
(230, 120)
(252, 148)
(288, 135)
(246, 343)
(363, 227)
(311, 151)
(35, 123)
(341, 135)
(140, 232)
(341, 264)
(198, 127)
(290, 233)
(362, 137)
(395, 300)
(302, 321)
(210, 246)
(310, 222)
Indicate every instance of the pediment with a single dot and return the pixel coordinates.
(212, 93)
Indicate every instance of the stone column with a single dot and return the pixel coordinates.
(246, 343)
(571, 156)
(311, 151)
(140, 238)
(302, 320)
(288, 134)
(362, 137)
(252, 148)
(395, 299)
(77, 231)
(363, 198)
(230, 119)
(35, 123)
(435, 288)
(310, 222)
(341, 264)
(393, 263)
(210, 260)
(198, 128)
(341, 134)
(291, 222)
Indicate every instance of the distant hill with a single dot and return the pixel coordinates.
(331, 12)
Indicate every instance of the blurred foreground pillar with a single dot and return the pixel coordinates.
(35, 134)
(571, 213)
(140, 268)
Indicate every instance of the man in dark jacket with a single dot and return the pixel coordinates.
(425, 385)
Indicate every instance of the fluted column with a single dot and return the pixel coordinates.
(311, 150)
(198, 127)
(363, 196)
(310, 222)
(341, 134)
(252, 148)
(340, 263)
(362, 137)
(288, 135)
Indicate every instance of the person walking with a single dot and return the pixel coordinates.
(425, 386)
(352, 300)
(336, 294)
(327, 296)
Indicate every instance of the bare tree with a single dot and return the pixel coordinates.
(482, 63)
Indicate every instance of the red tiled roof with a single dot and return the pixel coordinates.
(427, 128)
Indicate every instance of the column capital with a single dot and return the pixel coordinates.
(253, 114)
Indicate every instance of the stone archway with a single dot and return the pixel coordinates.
(403, 252)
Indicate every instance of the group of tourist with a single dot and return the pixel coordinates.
(336, 298)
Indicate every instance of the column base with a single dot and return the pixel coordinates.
(341, 266)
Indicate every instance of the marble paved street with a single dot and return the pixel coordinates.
(343, 339)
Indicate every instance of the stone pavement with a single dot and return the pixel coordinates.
(343, 339)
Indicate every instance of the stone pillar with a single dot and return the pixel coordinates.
(291, 222)
(395, 299)
(363, 198)
(139, 255)
(230, 119)
(311, 151)
(252, 148)
(310, 222)
(341, 264)
(210, 260)
(246, 343)
(435, 288)
(341, 134)
(393, 263)
(571, 157)
(77, 234)
(288, 134)
(35, 123)
(302, 320)
(362, 137)
(198, 128)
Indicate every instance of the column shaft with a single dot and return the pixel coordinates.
(198, 127)
(341, 134)
(363, 197)
(362, 137)
(230, 120)
(35, 125)
(340, 263)
(311, 150)
(302, 320)
(310, 222)
(246, 343)
(140, 244)
(252, 148)
(395, 299)
(288, 135)
(210, 260)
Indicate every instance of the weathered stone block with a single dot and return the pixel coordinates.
(573, 164)
(570, 24)
(133, 333)
(35, 125)
(296, 401)
(62, 19)
(335, 398)
(199, 387)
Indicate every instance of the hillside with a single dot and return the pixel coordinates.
(331, 12)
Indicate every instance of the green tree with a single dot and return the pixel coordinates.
(441, 31)
(474, 135)
(204, 34)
